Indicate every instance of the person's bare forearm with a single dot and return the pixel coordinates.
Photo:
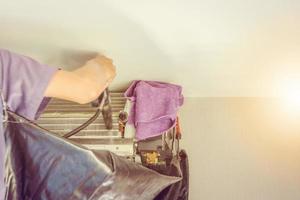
(84, 84)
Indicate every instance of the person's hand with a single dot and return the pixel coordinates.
(84, 84)
(104, 66)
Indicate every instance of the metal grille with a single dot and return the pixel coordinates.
(63, 116)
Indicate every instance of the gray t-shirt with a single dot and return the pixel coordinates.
(23, 82)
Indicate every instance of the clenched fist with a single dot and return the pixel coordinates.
(84, 84)
(103, 65)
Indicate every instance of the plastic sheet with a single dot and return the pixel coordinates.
(179, 167)
(44, 166)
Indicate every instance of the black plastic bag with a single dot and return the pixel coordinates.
(43, 166)
(179, 166)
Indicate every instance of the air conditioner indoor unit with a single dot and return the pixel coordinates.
(108, 130)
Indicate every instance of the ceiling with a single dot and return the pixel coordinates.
(211, 48)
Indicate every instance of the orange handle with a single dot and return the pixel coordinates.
(178, 129)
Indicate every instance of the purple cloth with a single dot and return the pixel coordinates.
(154, 108)
(23, 83)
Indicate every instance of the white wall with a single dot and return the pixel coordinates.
(212, 48)
(242, 149)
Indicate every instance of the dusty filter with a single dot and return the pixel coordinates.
(63, 116)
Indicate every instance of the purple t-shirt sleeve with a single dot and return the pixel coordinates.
(23, 83)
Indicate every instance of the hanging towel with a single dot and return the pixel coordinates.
(155, 106)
